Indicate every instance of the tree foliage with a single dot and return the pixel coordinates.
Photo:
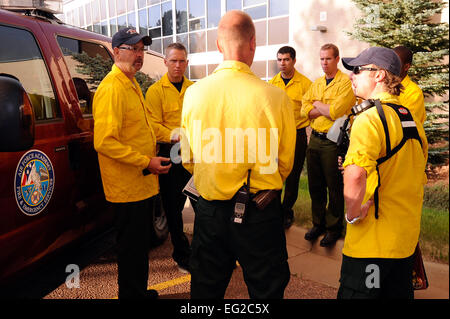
(412, 23)
(96, 68)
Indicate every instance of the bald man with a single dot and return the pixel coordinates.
(412, 95)
(229, 226)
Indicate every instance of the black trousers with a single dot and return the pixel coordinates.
(259, 245)
(132, 223)
(325, 184)
(292, 182)
(173, 200)
(376, 278)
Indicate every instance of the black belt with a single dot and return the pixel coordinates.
(321, 135)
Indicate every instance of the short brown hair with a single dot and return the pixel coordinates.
(330, 46)
(176, 46)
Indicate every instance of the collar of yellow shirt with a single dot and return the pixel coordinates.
(234, 65)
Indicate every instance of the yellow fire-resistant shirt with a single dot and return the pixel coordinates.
(123, 138)
(338, 94)
(295, 89)
(230, 101)
(165, 104)
(412, 98)
(396, 231)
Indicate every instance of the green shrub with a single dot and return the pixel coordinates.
(436, 196)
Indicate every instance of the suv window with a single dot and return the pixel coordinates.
(23, 60)
(88, 64)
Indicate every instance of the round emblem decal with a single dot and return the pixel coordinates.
(403, 110)
(34, 182)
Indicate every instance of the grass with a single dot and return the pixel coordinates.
(434, 233)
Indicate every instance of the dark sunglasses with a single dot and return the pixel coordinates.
(359, 69)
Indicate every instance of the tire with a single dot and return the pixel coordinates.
(160, 229)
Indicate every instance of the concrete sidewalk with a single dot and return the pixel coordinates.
(310, 261)
(323, 265)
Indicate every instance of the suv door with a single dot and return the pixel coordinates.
(35, 185)
(81, 56)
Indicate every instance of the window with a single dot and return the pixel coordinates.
(166, 11)
(103, 9)
(112, 8)
(213, 13)
(143, 24)
(278, 31)
(113, 25)
(212, 37)
(88, 14)
(259, 68)
(196, 15)
(181, 14)
(130, 5)
(256, 12)
(156, 45)
(121, 22)
(198, 71)
(280, 8)
(234, 5)
(197, 42)
(253, 2)
(120, 6)
(104, 26)
(81, 57)
(24, 60)
(154, 17)
(261, 33)
(132, 20)
(95, 11)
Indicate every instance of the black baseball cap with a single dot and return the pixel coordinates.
(129, 36)
(383, 57)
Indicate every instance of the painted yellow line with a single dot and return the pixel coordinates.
(170, 283)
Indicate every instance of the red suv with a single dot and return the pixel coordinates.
(50, 186)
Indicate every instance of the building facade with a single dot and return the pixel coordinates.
(303, 24)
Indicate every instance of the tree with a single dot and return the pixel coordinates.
(389, 23)
(96, 68)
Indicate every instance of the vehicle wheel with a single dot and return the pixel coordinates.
(160, 228)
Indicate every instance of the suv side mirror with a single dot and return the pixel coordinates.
(16, 116)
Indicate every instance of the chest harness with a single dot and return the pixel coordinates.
(409, 132)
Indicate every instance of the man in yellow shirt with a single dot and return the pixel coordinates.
(295, 85)
(412, 95)
(126, 146)
(241, 132)
(165, 101)
(328, 98)
(383, 183)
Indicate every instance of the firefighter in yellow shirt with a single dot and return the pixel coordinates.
(295, 85)
(383, 183)
(126, 146)
(328, 98)
(165, 101)
(412, 95)
(241, 130)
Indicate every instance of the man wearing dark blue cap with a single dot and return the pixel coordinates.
(126, 146)
(383, 183)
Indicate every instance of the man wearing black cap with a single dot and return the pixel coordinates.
(383, 183)
(126, 146)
